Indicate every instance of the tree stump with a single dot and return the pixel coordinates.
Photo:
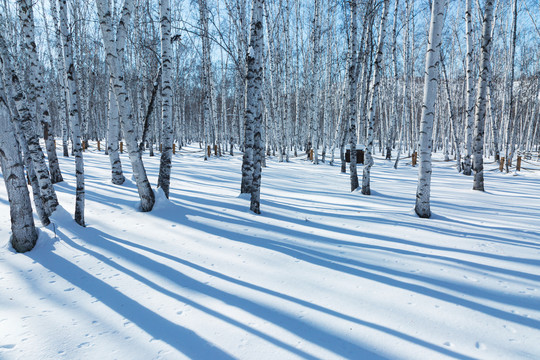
(518, 164)
(121, 147)
(501, 164)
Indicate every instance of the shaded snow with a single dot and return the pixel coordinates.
(321, 274)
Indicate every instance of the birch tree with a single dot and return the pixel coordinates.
(74, 113)
(254, 151)
(113, 59)
(35, 89)
(510, 113)
(23, 231)
(368, 162)
(353, 86)
(16, 93)
(470, 90)
(166, 98)
(15, 119)
(315, 80)
(481, 100)
(431, 80)
(117, 175)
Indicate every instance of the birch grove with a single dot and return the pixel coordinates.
(326, 83)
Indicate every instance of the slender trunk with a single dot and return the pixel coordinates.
(406, 74)
(390, 138)
(510, 88)
(353, 85)
(480, 112)
(166, 98)
(74, 113)
(431, 81)
(27, 126)
(368, 160)
(124, 104)
(254, 107)
(452, 117)
(36, 92)
(470, 92)
(117, 175)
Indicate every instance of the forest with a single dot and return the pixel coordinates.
(379, 115)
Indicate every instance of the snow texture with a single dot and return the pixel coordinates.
(322, 273)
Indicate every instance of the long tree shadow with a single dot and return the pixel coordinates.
(295, 300)
(331, 262)
(180, 338)
(424, 225)
(346, 265)
(307, 331)
(205, 208)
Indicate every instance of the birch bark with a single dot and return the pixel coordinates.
(481, 100)
(124, 104)
(353, 86)
(117, 175)
(164, 179)
(38, 198)
(510, 91)
(368, 162)
(254, 105)
(470, 91)
(23, 231)
(16, 93)
(36, 92)
(431, 80)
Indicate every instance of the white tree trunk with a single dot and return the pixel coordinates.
(510, 114)
(117, 175)
(38, 198)
(166, 98)
(431, 79)
(353, 86)
(23, 231)
(470, 91)
(74, 113)
(368, 160)
(124, 104)
(16, 93)
(36, 91)
(315, 83)
(481, 100)
(251, 167)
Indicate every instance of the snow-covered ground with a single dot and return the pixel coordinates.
(322, 274)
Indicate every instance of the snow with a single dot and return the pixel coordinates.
(322, 273)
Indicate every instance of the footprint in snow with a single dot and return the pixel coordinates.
(69, 289)
(449, 344)
(7, 347)
(509, 328)
(480, 346)
(470, 278)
